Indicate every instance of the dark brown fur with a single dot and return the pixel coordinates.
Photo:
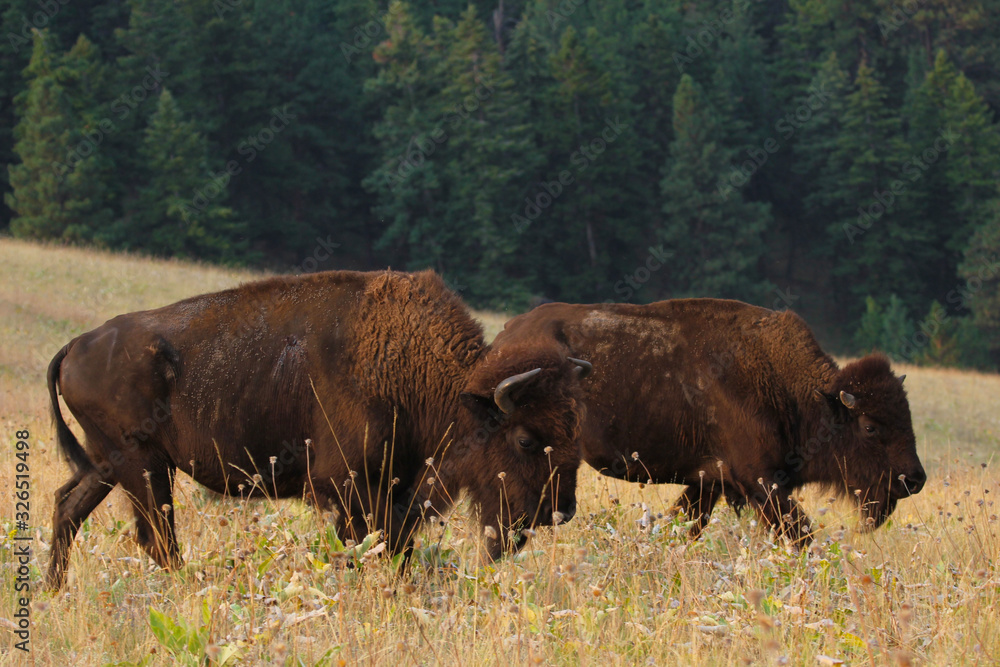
(379, 372)
(732, 399)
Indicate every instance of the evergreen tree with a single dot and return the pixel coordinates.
(880, 241)
(59, 190)
(179, 210)
(715, 236)
(456, 146)
(981, 272)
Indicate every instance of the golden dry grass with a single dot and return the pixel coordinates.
(620, 584)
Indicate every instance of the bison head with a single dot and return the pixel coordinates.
(520, 450)
(877, 461)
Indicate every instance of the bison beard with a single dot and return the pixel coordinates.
(733, 400)
(374, 394)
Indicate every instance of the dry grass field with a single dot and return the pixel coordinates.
(267, 582)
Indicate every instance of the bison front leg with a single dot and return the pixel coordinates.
(697, 502)
(74, 502)
(780, 511)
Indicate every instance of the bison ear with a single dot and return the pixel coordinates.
(482, 407)
(833, 402)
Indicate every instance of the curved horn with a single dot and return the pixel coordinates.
(501, 395)
(901, 378)
(584, 368)
(847, 399)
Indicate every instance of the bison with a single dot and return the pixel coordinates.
(374, 394)
(731, 399)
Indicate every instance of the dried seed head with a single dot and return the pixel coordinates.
(387, 592)
(548, 449)
(223, 522)
(490, 532)
(501, 475)
(430, 461)
(273, 460)
(635, 456)
(430, 481)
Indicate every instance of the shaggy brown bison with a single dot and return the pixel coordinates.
(732, 399)
(373, 393)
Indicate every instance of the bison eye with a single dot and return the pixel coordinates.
(525, 443)
(871, 430)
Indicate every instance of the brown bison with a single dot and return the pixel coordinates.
(371, 393)
(732, 399)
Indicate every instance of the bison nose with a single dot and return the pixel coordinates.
(914, 480)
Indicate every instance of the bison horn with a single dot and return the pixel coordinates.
(584, 368)
(847, 399)
(901, 378)
(502, 393)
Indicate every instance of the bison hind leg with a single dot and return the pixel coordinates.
(153, 505)
(74, 502)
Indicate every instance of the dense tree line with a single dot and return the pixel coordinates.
(841, 159)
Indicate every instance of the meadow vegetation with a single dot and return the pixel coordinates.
(268, 582)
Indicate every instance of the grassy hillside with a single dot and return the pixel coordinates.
(617, 585)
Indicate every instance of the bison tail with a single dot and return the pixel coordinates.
(68, 443)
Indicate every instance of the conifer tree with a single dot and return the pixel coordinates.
(180, 209)
(59, 189)
(715, 241)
